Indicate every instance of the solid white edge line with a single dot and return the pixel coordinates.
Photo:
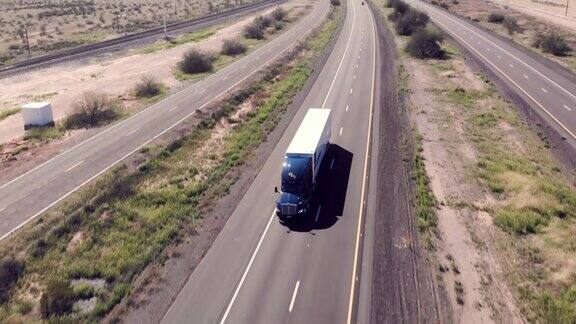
(144, 144)
(504, 50)
(364, 178)
(509, 79)
(294, 296)
(246, 270)
(343, 57)
(75, 165)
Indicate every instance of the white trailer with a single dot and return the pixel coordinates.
(312, 138)
(302, 163)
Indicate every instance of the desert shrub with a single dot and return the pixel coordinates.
(335, 3)
(10, 271)
(195, 61)
(279, 13)
(265, 21)
(233, 47)
(496, 18)
(511, 25)
(58, 299)
(148, 87)
(552, 43)
(425, 43)
(93, 109)
(400, 8)
(279, 25)
(410, 22)
(254, 30)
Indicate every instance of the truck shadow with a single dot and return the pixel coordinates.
(327, 204)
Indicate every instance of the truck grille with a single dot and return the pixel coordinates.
(288, 209)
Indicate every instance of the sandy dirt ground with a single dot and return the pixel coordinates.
(466, 256)
(63, 84)
(448, 155)
(552, 10)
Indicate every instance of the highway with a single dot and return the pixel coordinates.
(550, 91)
(262, 271)
(29, 195)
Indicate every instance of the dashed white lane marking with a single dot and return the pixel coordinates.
(499, 57)
(511, 65)
(567, 108)
(132, 132)
(356, 65)
(332, 164)
(201, 92)
(354, 76)
(173, 108)
(546, 91)
(351, 90)
(488, 49)
(225, 78)
(347, 107)
(72, 167)
(317, 214)
(1, 210)
(341, 129)
(525, 76)
(294, 296)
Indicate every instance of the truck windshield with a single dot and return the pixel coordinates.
(294, 174)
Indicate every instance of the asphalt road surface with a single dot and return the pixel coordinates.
(547, 89)
(262, 271)
(32, 193)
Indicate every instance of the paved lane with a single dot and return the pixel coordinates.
(261, 271)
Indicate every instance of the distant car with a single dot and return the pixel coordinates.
(362, 2)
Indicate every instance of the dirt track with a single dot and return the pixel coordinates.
(403, 286)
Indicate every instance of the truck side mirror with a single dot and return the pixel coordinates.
(276, 189)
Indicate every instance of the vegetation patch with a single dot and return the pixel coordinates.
(233, 47)
(496, 18)
(92, 110)
(5, 113)
(148, 87)
(196, 62)
(552, 43)
(534, 202)
(193, 37)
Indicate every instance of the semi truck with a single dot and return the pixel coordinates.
(302, 163)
